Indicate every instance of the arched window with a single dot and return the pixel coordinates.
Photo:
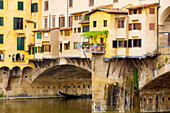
(13, 57)
(22, 57)
(1, 56)
(18, 57)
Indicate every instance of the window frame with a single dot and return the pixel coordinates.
(121, 23)
(104, 23)
(22, 8)
(94, 24)
(91, 3)
(46, 5)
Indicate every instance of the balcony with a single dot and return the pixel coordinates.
(94, 48)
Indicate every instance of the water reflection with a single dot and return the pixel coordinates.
(46, 106)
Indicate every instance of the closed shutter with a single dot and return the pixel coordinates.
(29, 51)
(151, 10)
(1, 38)
(114, 45)
(139, 26)
(140, 43)
(35, 49)
(15, 23)
(20, 43)
(130, 27)
(168, 39)
(1, 21)
(130, 11)
(20, 6)
(78, 45)
(59, 20)
(1, 4)
(39, 35)
(43, 48)
(32, 7)
(40, 49)
(63, 22)
(139, 11)
(125, 43)
(49, 48)
(151, 26)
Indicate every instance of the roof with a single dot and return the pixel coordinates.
(113, 11)
(46, 29)
(84, 22)
(104, 6)
(66, 28)
(143, 5)
(79, 12)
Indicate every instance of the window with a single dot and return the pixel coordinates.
(136, 26)
(53, 22)
(119, 43)
(134, 11)
(1, 38)
(1, 21)
(45, 22)
(140, 11)
(34, 7)
(61, 21)
(35, 25)
(94, 24)
(80, 17)
(151, 10)
(91, 3)
(38, 35)
(79, 30)
(70, 3)
(105, 23)
(29, 51)
(136, 42)
(60, 46)
(47, 48)
(75, 45)
(152, 26)
(45, 34)
(67, 33)
(114, 44)
(115, 0)
(70, 21)
(1, 56)
(18, 23)
(45, 5)
(39, 49)
(120, 23)
(20, 43)
(74, 30)
(76, 17)
(33, 49)
(20, 6)
(86, 28)
(66, 46)
(130, 43)
(1, 4)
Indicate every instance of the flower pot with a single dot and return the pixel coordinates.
(95, 48)
(103, 48)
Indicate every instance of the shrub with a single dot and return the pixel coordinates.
(166, 59)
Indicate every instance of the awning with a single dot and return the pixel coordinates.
(66, 42)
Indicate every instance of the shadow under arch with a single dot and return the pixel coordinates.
(165, 14)
(63, 73)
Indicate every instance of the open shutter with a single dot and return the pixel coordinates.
(40, 49)
(130, 11)
(15, 23)
(32, 7)
(29, 51)
(1, 4)
(43, 48)
(140, 11)
(69, 21)
(130, 27)
(35, 49)
(49, 48)
(63, 22)
(140, 43)
(139, 26)
(36, 7)
(125, 43)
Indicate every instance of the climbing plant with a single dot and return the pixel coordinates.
(135, 78)
(94, 34)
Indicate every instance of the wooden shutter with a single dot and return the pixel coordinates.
(125, 43)
(1, 38)
(15, 23)
(39, 35)
(40, 49)
(69, 21)
(36, 7)
(139, 42)
(139, 26)
(49, 48)
(63, 22)
(114, 45)
(151, 26)
(59, 21)
(130, 11)
(43, 48)
(29, 51)
(35, 49)
(168, 39)
(130, 27)
(20, 43)
(1, 5)
(1, 21)
(140, 11)
(20, 5)
(151, 10)
(32, 7)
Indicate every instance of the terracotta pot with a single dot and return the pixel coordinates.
(85, 48)
(95, 48)
(103, 48)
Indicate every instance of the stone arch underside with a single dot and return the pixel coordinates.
(164, 14)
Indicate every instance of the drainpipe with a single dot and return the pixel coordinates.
(158, 26)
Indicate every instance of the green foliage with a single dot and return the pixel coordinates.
(166, 59)
(159, 66)
(1, 95)
(86, 17)
(135, 78)
(94, 34)
(157, 60)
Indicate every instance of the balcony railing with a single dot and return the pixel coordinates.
(94, 48)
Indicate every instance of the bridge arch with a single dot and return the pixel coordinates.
(164, 13)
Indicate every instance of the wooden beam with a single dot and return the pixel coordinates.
(135, 64)
(129, 65)
(87, 60)
(114, 66)
(145, 62)
(121, 68)
(35, 64)
(78, 61)
(124, 70)
(151, 68)
(72, 60)
(67, 60)
(82, 60)
(38, 64)
(107, 75)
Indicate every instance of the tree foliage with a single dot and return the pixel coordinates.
(135, 78)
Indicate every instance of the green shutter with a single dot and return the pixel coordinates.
(1, 4)
(20, 6)
(1, 21)
(29, 51)
(32, 7)
(15, 23)
(39, 35)
(35, 49)
(20, 43)
(1, 38)
(36, 10)
(40, 49)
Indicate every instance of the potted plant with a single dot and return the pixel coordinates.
(91, 46)
(95, 47)
(84, 46)
(103, 47)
